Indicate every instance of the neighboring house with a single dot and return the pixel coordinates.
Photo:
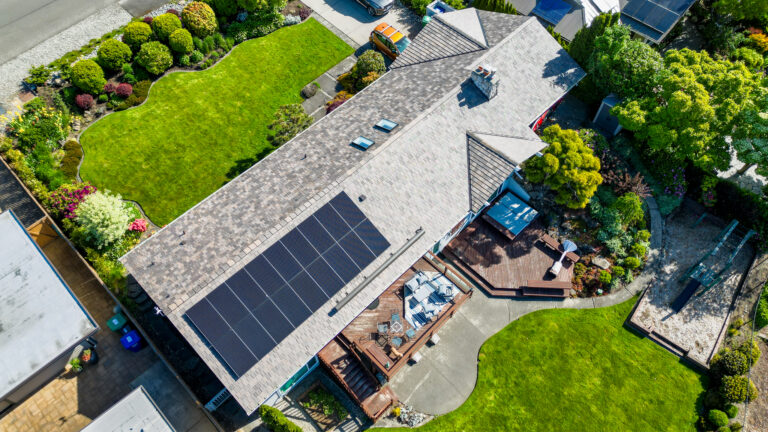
(14, 197)
(651, 19)
(41, 320)
(135, 412)
(262, 274)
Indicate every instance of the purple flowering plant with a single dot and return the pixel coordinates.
(67, 197)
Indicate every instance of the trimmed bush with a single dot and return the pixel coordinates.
(723, 429)
(148, 19)
(632, 263)
(109, 88)
(730, 363)
(164, 25)
(136, 33)
(113, 54)
(736, 427)
(605, 277)
(196, 57)
(761, 320)
(638, 250)
(643, 236)
(289, 121)
(199, 18)
(276, 421)
(618, 271)
(84, 101)
(103, 98)
(750, 350)
(88, 76)
(731, 410)
(140, 91)
(717, 418)
(184, 60)
(737, 389)
(181, 41)
(154, 57)
(124, 90)
(72, 155)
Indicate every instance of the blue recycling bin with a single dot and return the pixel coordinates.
(132, 341)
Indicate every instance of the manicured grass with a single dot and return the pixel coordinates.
(197, 130)
(576, 370)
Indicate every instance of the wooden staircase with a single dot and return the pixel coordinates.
(341, 360)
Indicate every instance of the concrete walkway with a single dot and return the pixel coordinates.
(446, 375)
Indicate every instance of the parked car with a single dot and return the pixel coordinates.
(389, 40)
(377, 7)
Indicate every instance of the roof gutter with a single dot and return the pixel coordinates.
(395, 255)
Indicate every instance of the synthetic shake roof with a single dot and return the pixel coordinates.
(416, 177)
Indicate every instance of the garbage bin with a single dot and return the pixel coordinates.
(116, 322)
(131, 341)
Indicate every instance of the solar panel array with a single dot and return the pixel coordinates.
(660, 17)
(244, 318)
(551, 11)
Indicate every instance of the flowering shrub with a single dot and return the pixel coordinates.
(759, 39)
(673, 180)
(38, 126)
(109, 88)
(337, 101)
(84, 101)
(148, 19)
(139, 225)
(67, 197)
(103, 218)
(708, 193)
(124, 90)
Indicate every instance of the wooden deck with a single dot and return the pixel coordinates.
(502, 266)
(362, 331)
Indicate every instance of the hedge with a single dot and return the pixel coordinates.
(275, 420)
(72, 155)
(761, 319)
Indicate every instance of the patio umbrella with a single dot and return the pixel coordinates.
(568, 246)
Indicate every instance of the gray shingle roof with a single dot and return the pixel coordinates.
(486, 172)
(14, 197)
(437, 41)
(414, 177)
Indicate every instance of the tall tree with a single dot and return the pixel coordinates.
(621, 65)
(567, 166)
(744, 9)
(750, 138)
(693, 108)
(583, 42)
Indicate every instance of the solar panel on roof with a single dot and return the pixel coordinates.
(552, 11)
(245, 317)
(652, 14)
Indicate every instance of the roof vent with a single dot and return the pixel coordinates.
(486, 80)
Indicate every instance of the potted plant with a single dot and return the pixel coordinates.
(89, 356)
(75, 365)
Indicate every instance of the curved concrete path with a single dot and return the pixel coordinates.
(446, 375)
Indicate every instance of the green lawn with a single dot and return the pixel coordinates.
(199, 129)
(576, 370)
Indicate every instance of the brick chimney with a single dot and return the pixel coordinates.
(486, 80)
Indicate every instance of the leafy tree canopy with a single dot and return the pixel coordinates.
(692, 109)
(583, 43)
(621, 65)
(744, 9)
(750, 138)
(567, 166)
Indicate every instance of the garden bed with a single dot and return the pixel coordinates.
(322, 407)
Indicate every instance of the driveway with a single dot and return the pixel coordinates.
(352, 19)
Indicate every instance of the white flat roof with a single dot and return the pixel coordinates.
(40, 318)
(133, 413)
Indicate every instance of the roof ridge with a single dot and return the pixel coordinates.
(473, 135)
(462, 33)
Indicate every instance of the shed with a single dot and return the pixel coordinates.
(603, 118)
(135, 412)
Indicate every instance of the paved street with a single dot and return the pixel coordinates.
(351, 18)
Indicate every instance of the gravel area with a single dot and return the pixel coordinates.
(697, 326)
(14, 71)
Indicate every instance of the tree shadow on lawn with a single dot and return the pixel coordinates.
(243, 164)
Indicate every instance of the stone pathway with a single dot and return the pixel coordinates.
(446, 375)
